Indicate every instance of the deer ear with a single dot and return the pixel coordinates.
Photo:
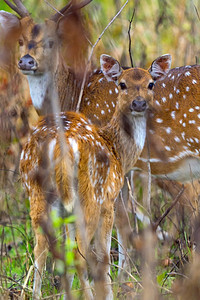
(8, 22)
(160, 66)
(110, 67)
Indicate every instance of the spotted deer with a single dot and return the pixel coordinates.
(86, 168)
(175, 129)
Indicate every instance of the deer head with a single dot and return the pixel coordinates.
(38, 43)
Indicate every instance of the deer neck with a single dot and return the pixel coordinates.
(68, 87)
(40, 90)
(127, 136)
(58, 83)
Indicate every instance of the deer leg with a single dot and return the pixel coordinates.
(102, 241)
(38, 212)
(123, 228)
(81, 256)
(40, 253)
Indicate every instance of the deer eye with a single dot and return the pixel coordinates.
(151, 85)
(21, 43)
(123, 85)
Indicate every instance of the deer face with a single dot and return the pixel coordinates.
(37, 46)
(135, 84)
(136, 92)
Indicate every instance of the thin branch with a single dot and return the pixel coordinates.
(148, 200)
(7, 170)
(91, 53)
(25, 282)
(53, 7)
(127, 254)
(157, 223)
(196, 11)
(129, 36)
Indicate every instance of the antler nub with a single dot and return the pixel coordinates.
(18, 8)
(69, 8)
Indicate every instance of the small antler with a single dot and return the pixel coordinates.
(69, 8)
(18, 7)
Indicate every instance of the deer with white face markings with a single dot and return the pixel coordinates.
(41, 54)
(175, 128)
(87, 169)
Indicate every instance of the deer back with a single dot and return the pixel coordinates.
(175, 125)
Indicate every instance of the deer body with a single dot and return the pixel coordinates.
(175, 122)
(175, 129)
(85, 166)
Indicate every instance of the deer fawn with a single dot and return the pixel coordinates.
(175, 129)
(88, 167)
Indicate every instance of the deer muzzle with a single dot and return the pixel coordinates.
(27, 63)
(138, 105)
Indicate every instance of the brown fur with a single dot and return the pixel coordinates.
(87, 171)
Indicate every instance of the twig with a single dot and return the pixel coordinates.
(26, 280)
(7, 170)
(125, 210)
(157, 223)
(127, 255)
(129, 36)
(15, 282)
(49, 4)
(91, 53)
(196, 11)
(129, 274)
(148, 200)
(140, 205)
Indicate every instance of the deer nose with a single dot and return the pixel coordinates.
(27, 62)
(138, 105)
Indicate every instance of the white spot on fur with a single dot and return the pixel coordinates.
(157, 102)
(168, 130)
(167, 148)
(88, 127)
(177, 139)
(173, 115)
(158, 120)
(187, 73)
